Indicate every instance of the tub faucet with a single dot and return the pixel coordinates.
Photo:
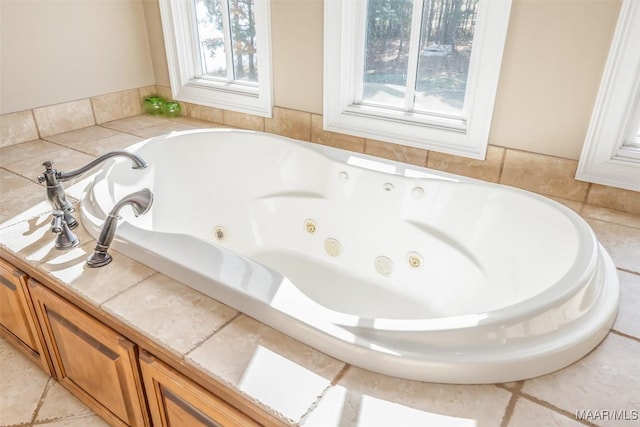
(141, 202)
(63, 222)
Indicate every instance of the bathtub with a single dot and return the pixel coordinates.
(398, 269)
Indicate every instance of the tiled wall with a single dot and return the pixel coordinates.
(551, 176)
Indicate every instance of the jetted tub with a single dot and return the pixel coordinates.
(398, 269)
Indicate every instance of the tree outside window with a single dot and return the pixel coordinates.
(441, 59)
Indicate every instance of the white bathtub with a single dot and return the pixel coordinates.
(394, 268)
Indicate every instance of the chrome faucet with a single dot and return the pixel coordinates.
(63, 222)
(141, 202)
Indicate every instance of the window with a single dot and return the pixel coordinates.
(422, 73)
(611, 153)
(219, 53)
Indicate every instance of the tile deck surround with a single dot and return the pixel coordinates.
(237, 350)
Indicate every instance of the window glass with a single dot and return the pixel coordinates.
(404, 71)
(211, 38)
(218, 53)
(233, 20)
(387, 52)
(445, 28)
(444, 55)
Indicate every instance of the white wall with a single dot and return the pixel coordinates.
(56, 51)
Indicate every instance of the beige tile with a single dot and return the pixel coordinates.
(87, 421)
(400, 153)
(243, 120)
(59, 403)
(197, 123)
(64, 117)
(134, 123)
(289, 123)
(364, 398)
(143, 92)
(77, 138)
(622, 243)
(32, 240)
(163, 91)
(615, 198)
(116, 106)
(628, 320)
(202, 112)
(487, 170)
(529, 414)
(23, 383)
(110, 143)
(17, 194)
(64, 160)
(22, 203)
(543, 174)
(96, 285)
(611, 215)
(95, 140)
(332, 139)
(9, 182)
(259, 361)
(608, 377)
(26, 150)
(162, 129)
(17, 127)
(170, 312)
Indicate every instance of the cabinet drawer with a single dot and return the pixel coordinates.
(175, 400)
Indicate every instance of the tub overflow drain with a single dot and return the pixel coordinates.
(219, 233)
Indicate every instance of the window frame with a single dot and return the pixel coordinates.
(616, 115)
(344, 44)
(183, 59)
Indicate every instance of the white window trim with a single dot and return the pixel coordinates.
(616, 115)
(344, 30)
(183, 59)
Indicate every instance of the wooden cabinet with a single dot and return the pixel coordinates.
(91, 360)
(105, 369)
(175, 400)
(17, 316)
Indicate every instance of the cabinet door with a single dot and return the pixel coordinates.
(91, 360)
(17, 316)
(175, 401)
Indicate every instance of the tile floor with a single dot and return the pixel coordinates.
(606, 379)
(29, 397)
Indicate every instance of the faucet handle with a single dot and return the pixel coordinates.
(48, 164)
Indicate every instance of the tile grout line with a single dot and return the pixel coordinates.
(43, 396)
(508, 410)
(112, 297)
(622, 334)
(552, 407)
(501, 170)
(214, 332)
(518, 393)
(318, 399)
(626, 270)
